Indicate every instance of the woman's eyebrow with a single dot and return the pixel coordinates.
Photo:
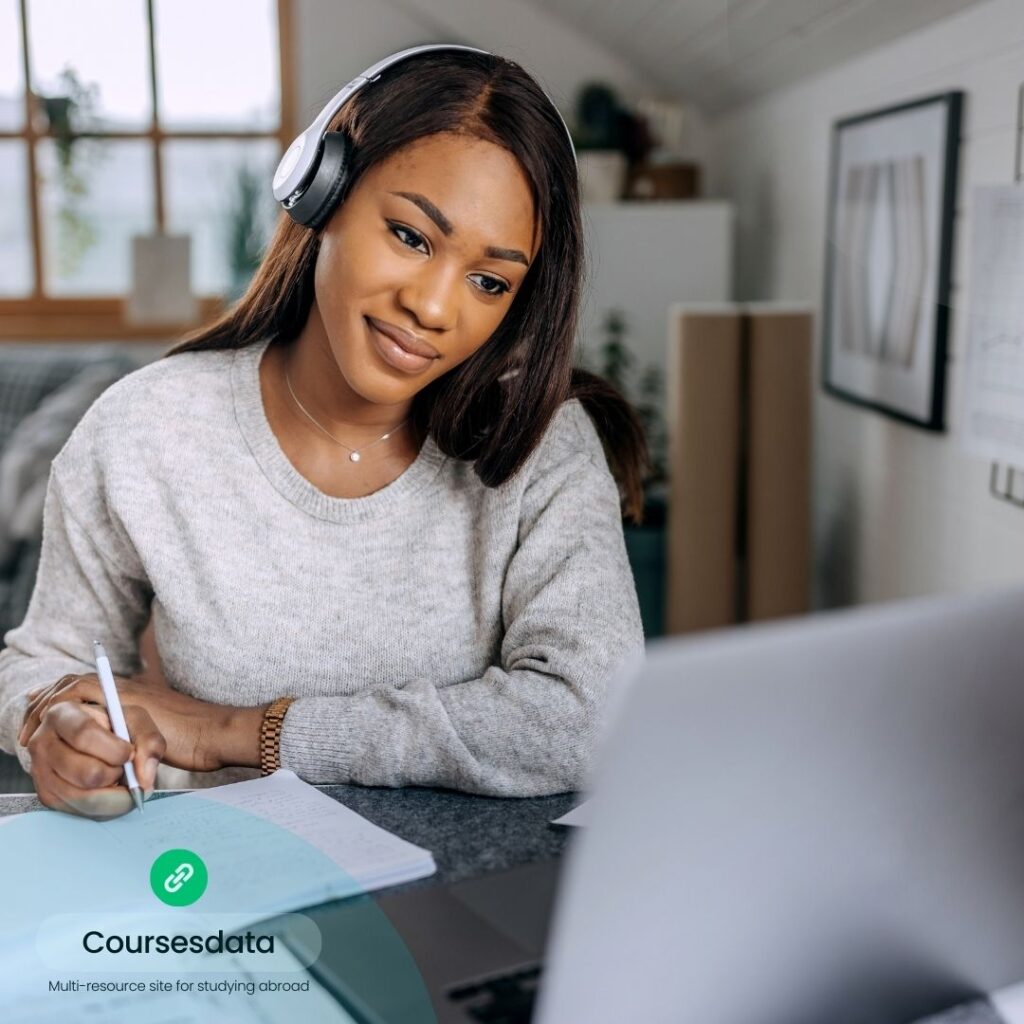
(493, 251)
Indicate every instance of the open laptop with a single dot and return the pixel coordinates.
(821, 820)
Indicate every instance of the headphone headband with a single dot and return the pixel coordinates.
(298, 167)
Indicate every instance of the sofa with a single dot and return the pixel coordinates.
(44, 390)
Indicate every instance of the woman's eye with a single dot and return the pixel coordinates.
(490, 285)
(415, 241)
(408, 237)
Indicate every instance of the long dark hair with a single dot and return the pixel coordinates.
(493, 408)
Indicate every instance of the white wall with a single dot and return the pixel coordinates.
(644, 257)
(898, 511)
(336, 39)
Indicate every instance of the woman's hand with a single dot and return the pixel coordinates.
(78, 762)
(189, 726)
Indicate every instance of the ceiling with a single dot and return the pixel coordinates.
(720, 53)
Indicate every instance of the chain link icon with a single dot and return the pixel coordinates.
(178, 877)
(174, 881)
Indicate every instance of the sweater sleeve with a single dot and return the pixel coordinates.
(89, 586)
(528, 725)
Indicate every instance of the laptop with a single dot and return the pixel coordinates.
(818, 820)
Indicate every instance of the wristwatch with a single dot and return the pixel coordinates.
(270, 734)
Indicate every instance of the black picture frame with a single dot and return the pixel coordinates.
(924, 377)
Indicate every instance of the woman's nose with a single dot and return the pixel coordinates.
(432, 297)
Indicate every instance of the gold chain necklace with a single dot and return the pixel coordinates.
(354, 453)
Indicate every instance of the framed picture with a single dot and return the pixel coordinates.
(889, 258)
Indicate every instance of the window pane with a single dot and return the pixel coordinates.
(109, 68)
(234, 43)
(219, 193)
(91, 207)
(15, 232)
(12, 85)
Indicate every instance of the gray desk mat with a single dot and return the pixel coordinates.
(468, 835)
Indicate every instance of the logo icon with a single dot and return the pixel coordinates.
(178, 877)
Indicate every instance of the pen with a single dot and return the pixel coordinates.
(116, 715)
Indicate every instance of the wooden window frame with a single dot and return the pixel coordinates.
(40, 316)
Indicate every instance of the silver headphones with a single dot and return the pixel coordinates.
(314, 169)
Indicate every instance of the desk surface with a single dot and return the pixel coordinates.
(471, 835)
(468, 835)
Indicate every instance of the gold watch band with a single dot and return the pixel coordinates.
(270, 734)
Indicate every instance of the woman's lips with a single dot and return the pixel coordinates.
(394, 354)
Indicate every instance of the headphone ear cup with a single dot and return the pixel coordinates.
(326, 187)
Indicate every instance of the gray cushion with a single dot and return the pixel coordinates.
(28, 375)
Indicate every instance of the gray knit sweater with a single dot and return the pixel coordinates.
(435, 632)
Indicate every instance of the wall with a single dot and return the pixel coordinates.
(898, 511)
(335, 39)
(687, 256)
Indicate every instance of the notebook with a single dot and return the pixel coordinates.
(270, 846)
(371, 856)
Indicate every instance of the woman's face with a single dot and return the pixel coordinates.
(432, 246)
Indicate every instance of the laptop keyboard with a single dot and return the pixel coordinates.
(507, 999)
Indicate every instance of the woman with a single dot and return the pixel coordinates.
(368, 509)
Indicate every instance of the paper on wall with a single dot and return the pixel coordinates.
(992, 423)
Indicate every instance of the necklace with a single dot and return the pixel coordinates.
(354, 453)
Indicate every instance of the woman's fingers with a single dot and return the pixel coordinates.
(77, 760)
(68, 687)
(40, 691)
(150, 744)
(38, 701)
(87, 729)
(61, 795)
(80, 770)
(68, 779)
(78, 763)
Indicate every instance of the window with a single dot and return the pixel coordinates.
(172, 121)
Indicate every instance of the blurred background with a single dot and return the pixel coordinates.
(137, 143)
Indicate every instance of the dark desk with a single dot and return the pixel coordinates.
(470, 835)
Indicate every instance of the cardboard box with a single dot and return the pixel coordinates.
(704, 433)
(739, 408)
(777, 557)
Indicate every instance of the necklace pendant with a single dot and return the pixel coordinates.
(354, 456)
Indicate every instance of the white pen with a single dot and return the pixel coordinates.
(116, 715)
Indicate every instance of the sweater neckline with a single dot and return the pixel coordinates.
(288, 481)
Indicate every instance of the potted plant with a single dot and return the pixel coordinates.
(608, 140)
(645, 541)
(245, 234)
(65, 113)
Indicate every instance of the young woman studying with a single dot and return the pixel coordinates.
(370, 509)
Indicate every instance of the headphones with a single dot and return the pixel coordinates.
(313, 172)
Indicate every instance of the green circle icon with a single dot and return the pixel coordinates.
(178, 877)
